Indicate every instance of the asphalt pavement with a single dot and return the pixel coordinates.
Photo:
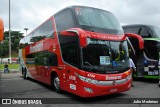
(12, 85)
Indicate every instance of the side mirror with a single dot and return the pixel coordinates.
(76, 32)
(140, 39)
(1, 30)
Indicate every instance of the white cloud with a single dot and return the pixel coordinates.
(31, 13)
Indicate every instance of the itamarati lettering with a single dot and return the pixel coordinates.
(37, 47)
(113, 77)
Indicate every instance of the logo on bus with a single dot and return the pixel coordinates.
(114, 82)
(113, 77)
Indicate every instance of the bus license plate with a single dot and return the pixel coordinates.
(113, 90)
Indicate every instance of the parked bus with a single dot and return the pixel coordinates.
(1, 30)
(81, 50)
(146, 60)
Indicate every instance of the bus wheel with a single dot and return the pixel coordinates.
(56, 83)
(25, 76)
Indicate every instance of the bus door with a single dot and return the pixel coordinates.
(136, 53)
(137, 56)
(151, 54)
(70, 52)
(132, 51)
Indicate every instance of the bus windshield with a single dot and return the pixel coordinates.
(97, 20)
(105, 57)
(156, 31)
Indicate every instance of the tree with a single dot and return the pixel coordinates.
(4, 48)
(15, 38)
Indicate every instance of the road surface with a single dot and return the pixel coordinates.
(12, 85)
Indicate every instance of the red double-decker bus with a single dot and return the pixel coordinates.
(81, 50)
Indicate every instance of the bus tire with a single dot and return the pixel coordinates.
(159, 84)
(55, 82)
(25, 76)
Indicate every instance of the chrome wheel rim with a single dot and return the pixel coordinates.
(26, 75)
(56, 83)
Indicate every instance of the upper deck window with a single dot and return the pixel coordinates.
(156, 30)
(64, 20)
(99, 19)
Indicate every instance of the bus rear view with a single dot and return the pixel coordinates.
(91, 51)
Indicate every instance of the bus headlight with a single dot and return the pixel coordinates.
(88, 90)
(129, 77)
(89, 80)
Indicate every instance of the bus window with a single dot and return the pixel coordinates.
(134, 30)
(50, 59)
(105, 57)
(45, 31)
(156, 31)
(64, 17)
(27, 40)
(106, 23)
(151, 50)
(69, 48)
(42, 58)
(144, 32)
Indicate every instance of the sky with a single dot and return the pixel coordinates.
(31, 13)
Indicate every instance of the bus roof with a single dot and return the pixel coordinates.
(135, 25)
(69, 7)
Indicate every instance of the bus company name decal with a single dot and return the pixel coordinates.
(36, 48)
(113, 77)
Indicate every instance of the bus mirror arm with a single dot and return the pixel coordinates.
(66, 33)
(140, 39)
(76, 32)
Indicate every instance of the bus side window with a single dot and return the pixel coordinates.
(47, 29)
(44, 31)
(49, 58)
(144, 32)
(53, 59)
(151, 50)
(36, 61)
(134, 30)
(69, 48)
(64, 20)
(27, 40)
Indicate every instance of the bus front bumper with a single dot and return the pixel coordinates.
(92, 90)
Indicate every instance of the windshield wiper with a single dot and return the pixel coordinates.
(89, 65)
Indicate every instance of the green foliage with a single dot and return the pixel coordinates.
(4, 48)
(15, 38)
(10, 66)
